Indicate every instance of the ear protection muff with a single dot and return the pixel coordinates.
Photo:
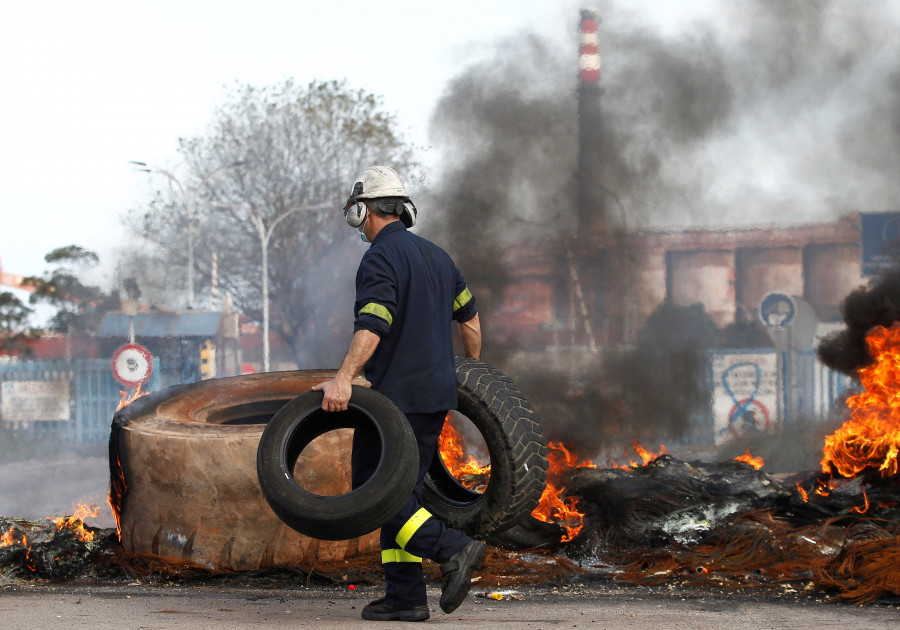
(355, 213)
(408, 214)
(355, 210)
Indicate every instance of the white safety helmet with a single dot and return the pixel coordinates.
(377, 182)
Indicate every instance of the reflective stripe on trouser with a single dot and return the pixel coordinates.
(426, 537)
(411, 526)
(398, 555)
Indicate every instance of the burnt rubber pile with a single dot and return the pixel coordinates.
(728, 524)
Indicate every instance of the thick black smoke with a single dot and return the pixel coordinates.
(778, 110)
(863, 310)
(773, 111)
(508, 130)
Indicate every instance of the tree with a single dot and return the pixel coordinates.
(292, 147)
(79, 307)
(14, 330)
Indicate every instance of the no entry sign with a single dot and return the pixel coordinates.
(132, 364)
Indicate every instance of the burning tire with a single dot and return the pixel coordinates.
(518, 453)
(184, 480)
(354, 513)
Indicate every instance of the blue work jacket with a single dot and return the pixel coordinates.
(408, 292)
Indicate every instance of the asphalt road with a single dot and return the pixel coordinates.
(601, 606)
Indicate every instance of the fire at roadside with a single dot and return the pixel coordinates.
(53, 548)
(734, 525)
(730, 524)
(657, 520)
(664, 522)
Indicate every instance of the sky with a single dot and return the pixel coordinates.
(90, 86)
(765, 109)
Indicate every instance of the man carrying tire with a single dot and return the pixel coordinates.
(408, 293)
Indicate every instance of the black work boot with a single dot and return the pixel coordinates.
(456, 574)
(383, 610)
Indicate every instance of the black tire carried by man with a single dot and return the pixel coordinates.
(487, 397)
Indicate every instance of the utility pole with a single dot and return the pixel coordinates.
(265, 235)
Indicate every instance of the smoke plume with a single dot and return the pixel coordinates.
(778, 110)
(771, 111)
(864, 309)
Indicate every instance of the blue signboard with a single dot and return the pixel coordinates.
(879, 232)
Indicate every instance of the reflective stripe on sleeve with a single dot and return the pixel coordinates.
(397, 555)
(378, 311)
(411, 526)
(462, 299)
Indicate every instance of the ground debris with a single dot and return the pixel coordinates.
(730, 525)
(666, 524)
(46, 549)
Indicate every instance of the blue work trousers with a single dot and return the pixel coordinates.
(405, 585)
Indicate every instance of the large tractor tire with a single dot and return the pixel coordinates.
(351, 514)
(184, 482)
(517, 449)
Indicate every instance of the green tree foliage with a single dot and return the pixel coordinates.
(79, 307)
(14, 330)
(292, 147)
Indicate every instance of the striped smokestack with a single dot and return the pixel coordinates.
(588, 47)
(591, 219)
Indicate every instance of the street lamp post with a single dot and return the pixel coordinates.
(189, 201)
(265, 235)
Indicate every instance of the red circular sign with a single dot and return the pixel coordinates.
(753, 419)
(132, 364)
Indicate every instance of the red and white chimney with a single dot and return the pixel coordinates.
(591, 215)
(590, 55)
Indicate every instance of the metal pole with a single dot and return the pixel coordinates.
(190, 263)
(264, 244)
(189, 201)
(265, 235)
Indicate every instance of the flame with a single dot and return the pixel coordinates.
(127, 398)
(75, 522)
(645, 455)
(8, 538)
(871, 437)
(465, 468)
(118, 487)
(552, 508)
(747, 458)
(116, 493)
(803, 493)
(862, 510)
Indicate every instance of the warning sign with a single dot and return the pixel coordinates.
(745, 395)
(132, 364)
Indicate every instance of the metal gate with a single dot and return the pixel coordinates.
(70, 401)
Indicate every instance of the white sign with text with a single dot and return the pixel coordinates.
(27, 401)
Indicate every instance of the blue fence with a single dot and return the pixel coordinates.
(93, 397)
(818, 389)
